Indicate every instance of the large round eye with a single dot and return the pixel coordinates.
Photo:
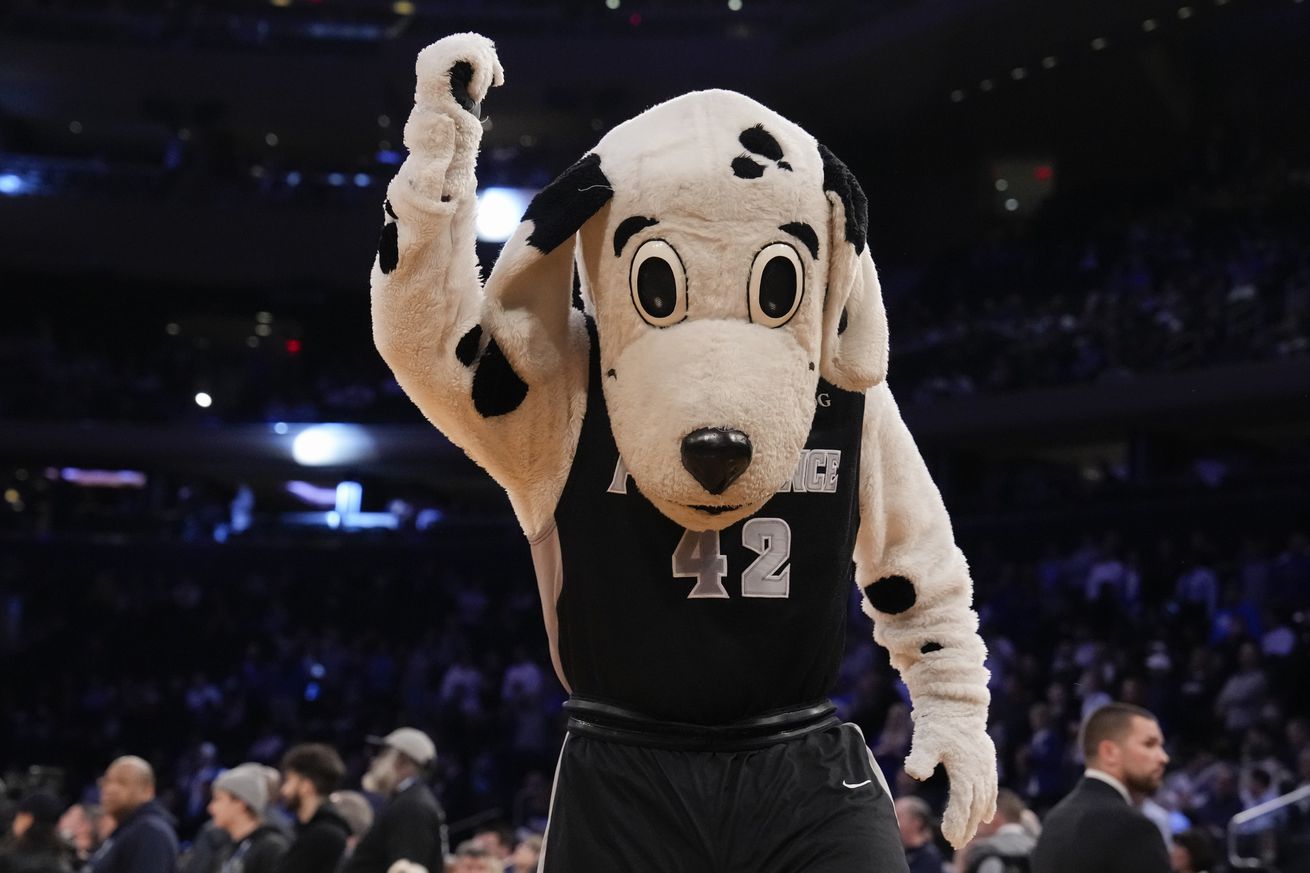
(659, 284)
(777, 285)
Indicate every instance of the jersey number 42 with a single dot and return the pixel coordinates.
(698, 557)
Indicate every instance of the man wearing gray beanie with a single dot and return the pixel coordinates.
(240, 798)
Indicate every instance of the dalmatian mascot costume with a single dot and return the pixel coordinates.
(696, 452)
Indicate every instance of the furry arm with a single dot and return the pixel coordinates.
(500, 390)
(917, 591)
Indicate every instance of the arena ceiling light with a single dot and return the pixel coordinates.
(499, 212)
(332, 445)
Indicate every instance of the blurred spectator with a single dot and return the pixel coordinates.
(1241, 697)
(237, 807)
(34, 845)
(1097, 828)
(498, 840)
(411, 826)
(1002, 845)
(144, 840)
(358, 813)
(473, 858)
(1221, 803)
(310, 772)
(77, 827)
(918, 830)
(1193, 852)
(526, 857)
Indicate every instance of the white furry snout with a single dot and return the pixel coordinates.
(709, 378)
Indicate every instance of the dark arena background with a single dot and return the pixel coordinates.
(225, 530)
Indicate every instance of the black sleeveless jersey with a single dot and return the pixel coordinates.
(707, 627)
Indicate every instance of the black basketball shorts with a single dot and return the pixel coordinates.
(797, 792)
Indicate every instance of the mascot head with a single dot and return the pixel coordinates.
(721, 251)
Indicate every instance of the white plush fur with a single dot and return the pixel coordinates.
(905, 531)
(714, 369)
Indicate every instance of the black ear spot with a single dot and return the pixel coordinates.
(466, 350)
(759, 141)
(842, 322)
(929, 648)
(745, 168)
(891, 594)
(783, 165)
(461, 76)
(497, 389)
(563, 206)
(840, 180)
(389, 247)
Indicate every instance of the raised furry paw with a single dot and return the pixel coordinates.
(445, 129)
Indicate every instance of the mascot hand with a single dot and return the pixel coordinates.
(445, 128)
(960, 743)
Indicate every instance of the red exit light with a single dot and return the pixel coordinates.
(1044, 173)
(293, 347)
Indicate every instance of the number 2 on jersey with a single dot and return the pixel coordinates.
(698, 557)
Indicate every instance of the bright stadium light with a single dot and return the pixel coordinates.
(203, 400)
(11, 184)
(499, 211)
(329, 445)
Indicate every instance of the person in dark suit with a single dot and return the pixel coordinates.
(1096, 828)
(412, 826)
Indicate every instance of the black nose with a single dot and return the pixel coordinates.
(716, 456)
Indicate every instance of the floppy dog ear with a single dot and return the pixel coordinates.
(855, 340)
(529, 292)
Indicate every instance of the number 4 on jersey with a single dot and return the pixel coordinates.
(698, 557)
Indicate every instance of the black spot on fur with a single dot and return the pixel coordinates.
(445, 198)
(461, 76)
(811, 366)
(805, 234)
(563, 206)
(389, 247)
(842, 322)
(576, 298)
(746, 168)
(611, 374)
(783, 165)
(929, 648)
(497, 389)
(466, 350)
(891, 594)
(386, 204)
(759, 141)
(840, 180)
(627, 227)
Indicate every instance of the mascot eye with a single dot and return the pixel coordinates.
(659, 284)
(777, 285)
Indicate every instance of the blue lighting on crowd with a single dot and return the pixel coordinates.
(337, 179)
(363, 180)
(293, 178)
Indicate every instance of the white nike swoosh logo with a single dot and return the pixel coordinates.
(861, 785)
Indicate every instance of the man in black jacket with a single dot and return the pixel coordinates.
(238, 805)
(144, 840)
(310, 772)
(1097, 828)
(412, 826)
